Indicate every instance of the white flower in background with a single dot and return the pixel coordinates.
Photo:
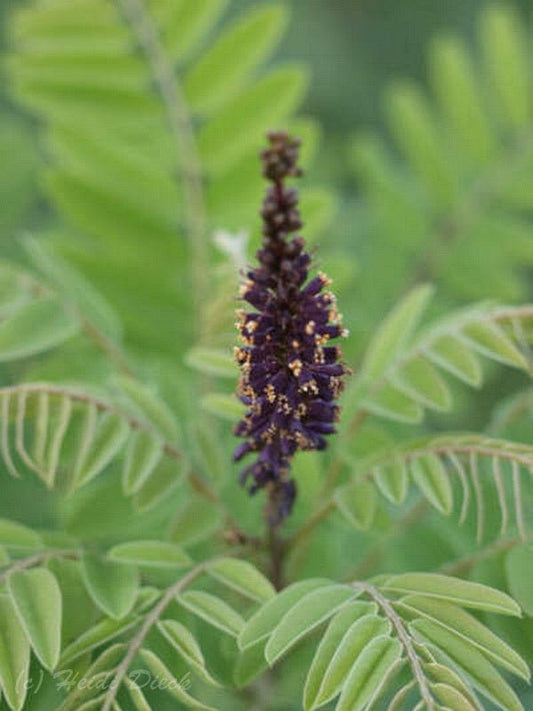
(233, 245)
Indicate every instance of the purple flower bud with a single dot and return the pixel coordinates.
(290, 375)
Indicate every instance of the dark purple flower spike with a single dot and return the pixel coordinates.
(290, 375)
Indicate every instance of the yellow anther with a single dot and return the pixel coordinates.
(326, 281)
(296, 367)
(270, 392)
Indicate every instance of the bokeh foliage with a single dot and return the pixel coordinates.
(129, 132)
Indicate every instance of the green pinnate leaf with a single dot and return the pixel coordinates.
(491, 341)
(208, 451)
(441, 674)
(475, 664)
(143, 454)
(393, 404)
(73, 287)
(137, 697)
(15, 288)
(506, 57)
(185, 24)
(42, 422)
(394, 334)
(419, 379)
(85, 436)
(151, 407)
(518, 567)
(243, 577)
(108, 659)
(152, 554)
(261, 624)
(239, 126)
(392, 480)
(227, 407)
(96, 703)
(419, 137)
(329, 644)
(357, 502)
(98, 677)
(99, 634)
(113, 586)
(187, 647)
(37, 599)
(452, 698)
(461, 623)
(433, 480)
(170, 683)
(225, 67)
(194, 521)
(459, 94)
(312, 610)
(250, 664)
(372, 665)
(53, 454)
(355, 639)
(453, 355)
(166, 476)
(16, 535)
(213, 610)
(212, 362)
(34, 328)
(454, 590)
(110, 436)
(14, 655)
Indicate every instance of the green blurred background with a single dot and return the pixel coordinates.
(381, 210)
(353, 48)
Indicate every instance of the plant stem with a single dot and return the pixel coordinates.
(106, 345)
(406, 641)
(95, 334)
(41, 557)
(276, 547)
(520, 406)
(137, 642)
(180, 123)
(323, 512)
(466, 563)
